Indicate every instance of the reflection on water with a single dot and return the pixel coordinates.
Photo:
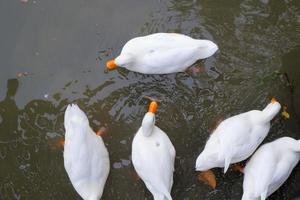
(257, 43)
(291, 63)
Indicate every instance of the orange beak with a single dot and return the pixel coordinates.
(111, 64)
(153, 107)
(273, 100)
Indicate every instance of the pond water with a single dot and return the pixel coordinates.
(55, 44)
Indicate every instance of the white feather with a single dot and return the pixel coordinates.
(236, 138)
(85, 155)
(163, 53)
(270, 167)
(153, 158)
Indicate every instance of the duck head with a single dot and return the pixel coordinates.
(148, 122)
(123, 60)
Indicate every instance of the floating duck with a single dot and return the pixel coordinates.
(162, 53)
(270, 167)
(153, 156)
(85, 155)
(236, 138)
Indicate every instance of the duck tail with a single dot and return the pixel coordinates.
(206, 48)
(226, 156)
(168, 196)
(227, 163)
(160, 196)
(263, 195)
(246, 197)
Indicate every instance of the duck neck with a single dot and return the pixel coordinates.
(146, 131)
(148, 124)
(270, 111)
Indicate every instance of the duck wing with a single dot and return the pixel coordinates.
(235, 139)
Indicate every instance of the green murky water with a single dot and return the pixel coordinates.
(57, 42)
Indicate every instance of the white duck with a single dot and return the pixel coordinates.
(85, 155)
(162, 53)
(153, 156)
(236, 138)
(270, 167)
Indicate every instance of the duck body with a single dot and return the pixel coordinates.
(86, 158)
(153, 157)
(270, 167)
(236, 138)
(163, 53)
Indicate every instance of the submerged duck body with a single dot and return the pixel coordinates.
(153, 157)
(236, 138)
(162, 53)
(86, 158)
(270, 167)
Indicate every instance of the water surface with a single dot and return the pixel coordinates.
(63, 45)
